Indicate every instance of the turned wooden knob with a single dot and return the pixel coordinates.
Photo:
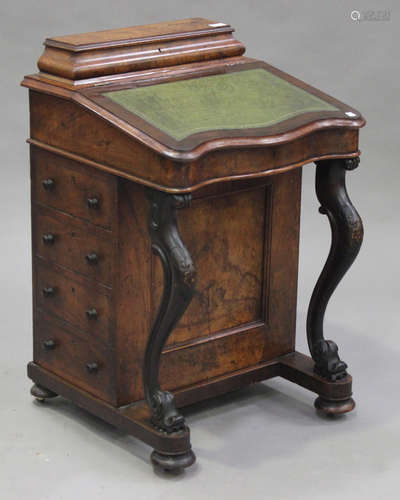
(92, 313)
(93, 202)
(48, 238)
(48, 291)
(92, 258)
(48, 184)
(49, 344)
(92, 367)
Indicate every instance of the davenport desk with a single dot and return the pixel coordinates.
(166, 178)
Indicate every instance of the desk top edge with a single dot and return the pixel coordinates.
(138, 35)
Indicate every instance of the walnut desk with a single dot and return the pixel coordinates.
(166, 178)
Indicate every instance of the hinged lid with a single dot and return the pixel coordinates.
(100, 53)
(245, 103)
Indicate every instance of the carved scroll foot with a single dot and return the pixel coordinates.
(173, 463)
(41, 393)
(332, 408)
(179, 284)
(327, 361)
(347, 235)
(164, 414)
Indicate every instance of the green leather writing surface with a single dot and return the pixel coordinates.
(239, 100)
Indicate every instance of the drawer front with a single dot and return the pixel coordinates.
(73, 188)
(73, 299)
(73, 244)
(85, 364)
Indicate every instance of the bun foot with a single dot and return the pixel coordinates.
(41, 393)
(331, 408)
(173, 463)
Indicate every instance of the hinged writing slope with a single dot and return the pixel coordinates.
(111, 52)
(240, 100)
(240, 103)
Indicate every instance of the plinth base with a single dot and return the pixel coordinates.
(173, 451)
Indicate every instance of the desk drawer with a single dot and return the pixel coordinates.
(81, 362)
(70, 297)
(73, 188)
(73, 244)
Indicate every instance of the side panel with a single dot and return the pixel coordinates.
(256, 322)
(244, 244)
(225, 236)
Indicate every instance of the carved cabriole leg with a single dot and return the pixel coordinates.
(347, 235)
(179, 284)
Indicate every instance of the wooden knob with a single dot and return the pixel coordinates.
(93, 202)
(49, 344)
(92, 367)
(92, 258)
(48, 238)
(92, 313)
(48, 184)
(48, 291)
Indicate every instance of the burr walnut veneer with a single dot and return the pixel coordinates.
(166, 179)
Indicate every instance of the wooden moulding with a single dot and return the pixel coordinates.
(89, 55)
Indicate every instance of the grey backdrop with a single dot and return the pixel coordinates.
(265, 441)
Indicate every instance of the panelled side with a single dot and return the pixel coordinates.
(244, 244)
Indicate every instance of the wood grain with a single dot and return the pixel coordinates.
(73, 296)
(136, 35)
(71, 355)
(73, 187)
(74, 241)
(110, 52)
(132, 299)
(82, 65)
(236, 245)
(225, 236)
